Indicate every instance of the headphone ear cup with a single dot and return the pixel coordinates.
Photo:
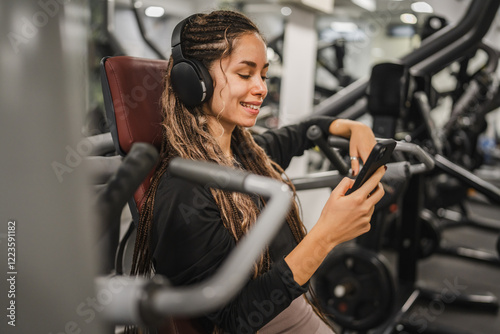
(192, 82)
(206, 78)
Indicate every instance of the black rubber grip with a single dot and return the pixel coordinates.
(114, 196)
(315, 134)
(132, 171)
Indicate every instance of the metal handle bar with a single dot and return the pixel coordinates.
(426, 160)
(396, 170)
(468, 178)
(422, 103)
(148, 301)
(329, 179)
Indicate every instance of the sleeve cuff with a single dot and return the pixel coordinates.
(286, 276)
(324, 123)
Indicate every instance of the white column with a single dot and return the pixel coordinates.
(297, 94)
(299, 63)
(297, 81)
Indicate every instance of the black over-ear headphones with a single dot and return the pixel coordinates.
(190, 79)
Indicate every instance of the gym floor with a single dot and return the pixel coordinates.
(461, 276)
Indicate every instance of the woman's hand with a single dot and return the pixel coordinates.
(346, 217)
(361, 138)
(343, 218)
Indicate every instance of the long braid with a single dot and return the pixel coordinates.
(141, 263)
(270, 169)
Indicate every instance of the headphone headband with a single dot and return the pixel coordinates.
(177, 33)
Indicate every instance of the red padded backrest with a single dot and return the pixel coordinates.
(132, 90)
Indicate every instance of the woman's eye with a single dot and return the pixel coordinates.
(264, 78)
(244, 76)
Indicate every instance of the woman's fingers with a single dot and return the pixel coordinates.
(376, 194)
(371, 184)
(344, 185)
(355, 165)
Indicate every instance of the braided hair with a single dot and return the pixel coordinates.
(209, 38)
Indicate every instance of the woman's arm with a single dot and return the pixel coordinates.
(343, 218)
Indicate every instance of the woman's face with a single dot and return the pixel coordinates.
(240, 84)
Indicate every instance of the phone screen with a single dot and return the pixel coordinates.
(379, 156)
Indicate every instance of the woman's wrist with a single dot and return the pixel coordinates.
(308, 255)
(321, 235)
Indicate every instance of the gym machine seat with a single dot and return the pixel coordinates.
(132, 89)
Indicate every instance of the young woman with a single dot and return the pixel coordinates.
(187, 230)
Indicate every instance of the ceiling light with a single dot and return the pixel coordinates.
(366, 4)
(286, 11)
(421, 7)
(408, 18)
(154, 11)
(344, 26)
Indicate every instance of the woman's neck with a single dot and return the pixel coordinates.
(223, 137)
(225, 144)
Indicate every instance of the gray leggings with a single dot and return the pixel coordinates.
(298, 318)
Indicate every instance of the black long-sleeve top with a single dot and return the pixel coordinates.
(189, 241)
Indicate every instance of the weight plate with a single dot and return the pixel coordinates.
(355, 288)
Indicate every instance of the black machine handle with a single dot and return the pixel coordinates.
(315, 134)
(120, 188)
(122, 185)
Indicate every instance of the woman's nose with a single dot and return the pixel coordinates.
(260, 88)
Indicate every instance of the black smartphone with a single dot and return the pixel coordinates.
(379, 156)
